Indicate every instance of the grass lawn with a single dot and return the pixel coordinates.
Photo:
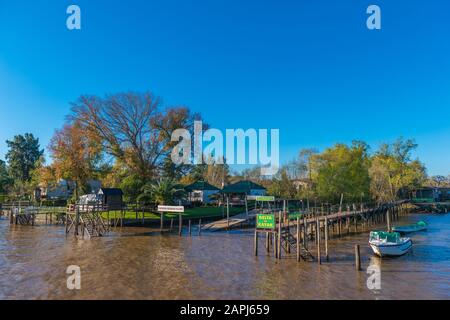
(190, 213)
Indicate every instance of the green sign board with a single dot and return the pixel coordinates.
(265, 221)
(265, 198)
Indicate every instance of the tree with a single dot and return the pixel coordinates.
(342, 170)
(439, 181)
(5, 180)
(163, 192)
(392, 170)
(76, 155)
(23, 153)
(132, 128)
(282, 186)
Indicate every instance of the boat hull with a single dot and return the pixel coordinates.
(391, 250)
(404, 230)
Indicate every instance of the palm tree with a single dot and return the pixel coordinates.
(163, 192)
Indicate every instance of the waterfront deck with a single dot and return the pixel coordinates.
(232, 222)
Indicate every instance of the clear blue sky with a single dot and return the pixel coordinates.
(309, 68)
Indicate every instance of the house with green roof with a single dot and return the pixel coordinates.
(201, 192)
(237, 192)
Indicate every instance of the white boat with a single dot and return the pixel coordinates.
(419, 226)
(389, 243)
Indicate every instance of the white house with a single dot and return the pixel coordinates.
(201, 192)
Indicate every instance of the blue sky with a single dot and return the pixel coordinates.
(309, 68)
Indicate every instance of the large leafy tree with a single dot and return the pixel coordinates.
(393, 169)
(23, 153)
(133, 128)
(342, 170)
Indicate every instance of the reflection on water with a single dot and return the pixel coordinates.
(142, 264)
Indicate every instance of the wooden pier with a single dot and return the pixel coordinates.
(294, 237)
(232, 222)
(87, 221)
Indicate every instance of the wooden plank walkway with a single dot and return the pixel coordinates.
(232, 222)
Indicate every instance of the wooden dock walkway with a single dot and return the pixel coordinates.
(232, 222)
(293, 237)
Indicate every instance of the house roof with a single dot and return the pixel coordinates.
(201, 185)
(242, 187)
(111, 191)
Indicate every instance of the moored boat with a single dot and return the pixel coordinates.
(419, 226)
(389, 243)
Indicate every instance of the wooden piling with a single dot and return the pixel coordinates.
(319, 257)
(190, 232)
(298, 239)
(326, 238)
(256, 243)
(275, 245)
(200, 227)
(180, 225)
(388, 221)
(357, 258)
(279, 235)
(305, 233)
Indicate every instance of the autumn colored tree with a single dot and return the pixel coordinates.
(76, 154)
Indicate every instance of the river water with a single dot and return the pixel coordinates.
(139, 263)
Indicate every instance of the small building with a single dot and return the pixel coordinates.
(237, 192)
(425, 195)
(64, 189)
(444, 194)
(201, 192)
(111, 197)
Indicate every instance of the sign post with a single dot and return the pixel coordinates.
(171, 209)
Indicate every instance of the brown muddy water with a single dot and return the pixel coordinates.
(141, 264)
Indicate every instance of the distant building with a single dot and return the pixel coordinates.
(425, 195)
(444, 194)
(201, 192)
(64, 189)
(111, 197)
(237, 192)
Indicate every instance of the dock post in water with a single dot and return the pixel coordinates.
(326, 238)
(388, 220)
(256, 243)
(279, 235)
(357, 258)
(298, 239)
(200, 227)
(319, 258)
(305, 233)
(180, 225)
(190, 232)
